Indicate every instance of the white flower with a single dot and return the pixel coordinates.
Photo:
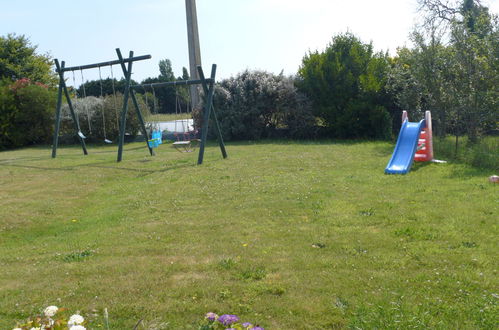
(17, 329)
(50, 311)
(35, 329)
(77, 327)
(75, 320)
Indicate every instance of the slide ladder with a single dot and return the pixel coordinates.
(415, 142)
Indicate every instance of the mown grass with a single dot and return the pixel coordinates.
(290, 235)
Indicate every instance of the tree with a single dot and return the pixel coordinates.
(93, 87)
(345, 83)
(418, 79)
(466, 93)
(18, 59)
(166, 96)
(475, 40)
(166, 71)
(183, 93)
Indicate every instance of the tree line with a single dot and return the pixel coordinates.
(349, 90)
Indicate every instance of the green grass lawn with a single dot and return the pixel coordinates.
(296, 235)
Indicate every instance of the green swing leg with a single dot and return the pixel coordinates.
(209, 91)
(128, 75)
(60, 71)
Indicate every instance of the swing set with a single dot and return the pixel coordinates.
(188, 141)
(129, 92)
(187, 138)
(127, 71)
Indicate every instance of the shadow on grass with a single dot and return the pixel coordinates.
(317, 142)
(144, 172)
(103, 165)
(23, 159)
(384, 150)
(416, 166)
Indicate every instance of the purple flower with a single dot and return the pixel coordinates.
(227, 319)
(257, 328)
(247, 325)
(211, 316)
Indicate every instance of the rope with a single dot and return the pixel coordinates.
(154, 100)
(102, 107)
(189, 101)
(75, 97)
(176, 109)
(178, 104)
(84, 103)
(74, 87)
(114, 97)
(145, 95)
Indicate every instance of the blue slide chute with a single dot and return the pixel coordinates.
(405, 149)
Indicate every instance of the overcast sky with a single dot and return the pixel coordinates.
(271, 35)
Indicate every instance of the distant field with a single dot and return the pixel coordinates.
(290, 235)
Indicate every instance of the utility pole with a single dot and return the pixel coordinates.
(194, 49)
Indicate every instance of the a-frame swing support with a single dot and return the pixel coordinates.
(63, 88)
(208, 109)
(60, 69)
(127, 72)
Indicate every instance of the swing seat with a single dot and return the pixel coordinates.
(180, 143)
(108, 141)
(158, 136)
(80, 134)
(153, 143)
(186, 146)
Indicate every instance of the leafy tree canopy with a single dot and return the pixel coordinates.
(346, 83)
(165, 70)
(18, 59)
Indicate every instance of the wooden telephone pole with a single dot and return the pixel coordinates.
(194, 49)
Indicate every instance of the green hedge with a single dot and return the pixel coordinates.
(258, 104)
(26, 113)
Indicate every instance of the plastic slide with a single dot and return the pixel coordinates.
(406, 147)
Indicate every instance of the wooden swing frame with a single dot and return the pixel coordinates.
(127, 71)
(208, 85)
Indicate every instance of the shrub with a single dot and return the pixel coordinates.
(26, 113)
(258, 104)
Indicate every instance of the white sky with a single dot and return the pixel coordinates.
(271, 35)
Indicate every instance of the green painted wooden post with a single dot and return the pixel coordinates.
(206, 91)
(55, 141)
(136, 105)
(206, 115)
(70, 105)
(128, 75)
(141, 120)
